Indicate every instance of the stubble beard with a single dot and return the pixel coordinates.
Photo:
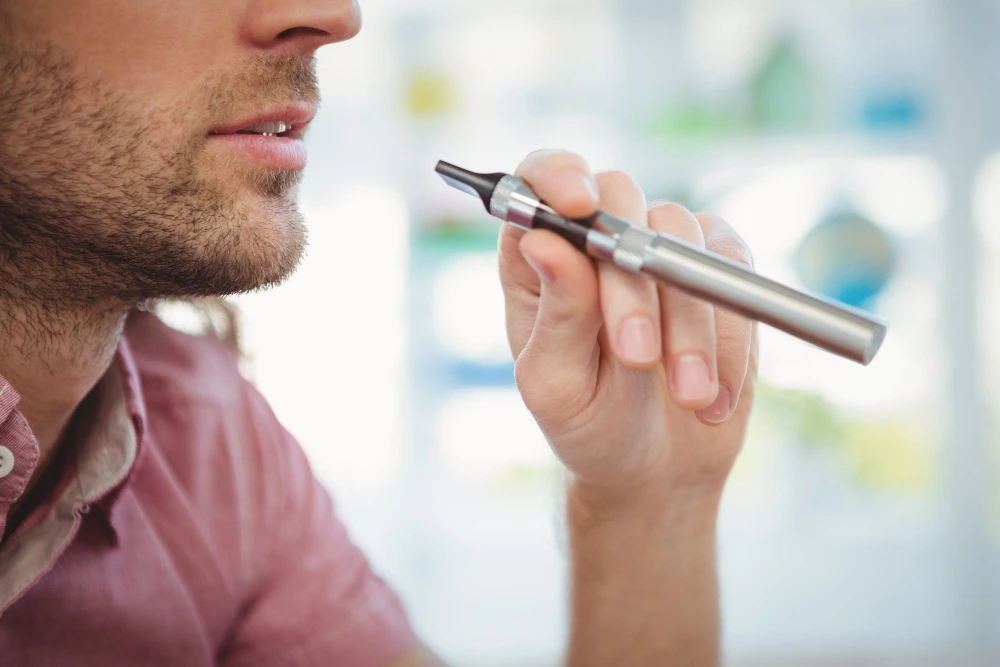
(102, 201)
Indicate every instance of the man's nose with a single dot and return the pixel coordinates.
(300, 26)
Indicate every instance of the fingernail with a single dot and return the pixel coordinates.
(720, 409)
(692, 381)
(637, 340)
(543, 272)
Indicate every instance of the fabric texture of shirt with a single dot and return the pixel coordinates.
(185, 529)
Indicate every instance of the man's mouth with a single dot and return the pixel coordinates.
(274, 139)
(290, 122)
(271, 129)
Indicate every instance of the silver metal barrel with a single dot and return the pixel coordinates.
(833, 326)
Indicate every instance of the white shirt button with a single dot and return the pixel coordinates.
(6, 461)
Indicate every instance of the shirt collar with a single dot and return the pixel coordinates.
(20, 452)
(135, 409)
(105, 454)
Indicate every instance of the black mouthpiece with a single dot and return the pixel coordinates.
(478, 185)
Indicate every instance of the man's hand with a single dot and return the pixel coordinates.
(643, 392)
(634, 385)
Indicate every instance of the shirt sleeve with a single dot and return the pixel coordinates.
(314, 600)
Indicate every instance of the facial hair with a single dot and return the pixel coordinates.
(102, 199)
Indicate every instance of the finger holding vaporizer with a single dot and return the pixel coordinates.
(734, 333)
(567, 178)
(689, 345)
(613, 422)
(551, 295)
(521, 285)
(557, 370)
(629, 302)
(561, 179)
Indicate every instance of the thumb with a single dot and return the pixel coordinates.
(558, 367)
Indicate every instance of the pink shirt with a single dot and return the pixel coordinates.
(185, 529)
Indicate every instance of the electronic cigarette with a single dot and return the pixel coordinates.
(835, 327)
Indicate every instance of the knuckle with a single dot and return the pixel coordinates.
(509, 238)
(522, 373)
(691, 313)
(540, 155)
(733, 333)
(536, 388)
(660, 201)
(733, 247)
(553, 398)
(567, 315)
(734, 336)
(509, 260)
(623, 294)
(721, 238)
(671, 209)
(552, 158)
(510, 284)
(619, 181)
(676, 220)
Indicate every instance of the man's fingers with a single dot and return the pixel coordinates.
(558, 367)
(557, 301)
(562, 180)
(629, 303)
(733, 332)
(521, 288)
(689, 323)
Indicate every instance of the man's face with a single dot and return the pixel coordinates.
(126, 170)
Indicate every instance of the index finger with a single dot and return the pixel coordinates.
(563, 180)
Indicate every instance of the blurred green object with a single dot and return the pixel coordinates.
(846, 257)
(445, 237)
(882, 454)
(783, 91)
(697, 122)
(812, 420)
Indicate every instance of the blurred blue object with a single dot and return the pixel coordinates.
(892, 111)
(463, 374)
(847, 257)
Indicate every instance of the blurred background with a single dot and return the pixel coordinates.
(853, 143)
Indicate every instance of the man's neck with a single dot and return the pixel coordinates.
(53, 357)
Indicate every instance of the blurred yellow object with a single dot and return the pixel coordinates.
(890, 456)
(430, 94)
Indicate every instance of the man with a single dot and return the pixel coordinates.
(153, 511)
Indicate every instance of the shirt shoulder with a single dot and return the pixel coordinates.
(208, 434)
(174, 365)
(202, 418)
(307, 594)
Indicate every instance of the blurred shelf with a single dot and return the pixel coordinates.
(784, 147)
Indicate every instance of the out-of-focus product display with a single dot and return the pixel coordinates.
(430, 93)
(782, 92)
(846, 257)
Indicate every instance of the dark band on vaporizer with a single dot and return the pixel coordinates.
(574, 231)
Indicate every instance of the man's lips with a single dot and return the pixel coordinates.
(282, 151)
(297, 116)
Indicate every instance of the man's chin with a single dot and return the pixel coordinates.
(273, 183)
(267, 254)
(257, 242)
